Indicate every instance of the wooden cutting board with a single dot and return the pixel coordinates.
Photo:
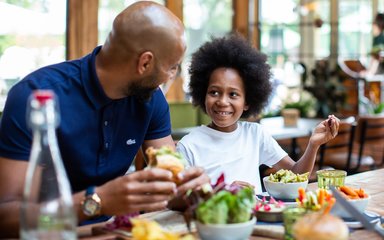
(171, 221)
(174, 222)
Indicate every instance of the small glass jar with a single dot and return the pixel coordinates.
(327, 178)
(290, 215)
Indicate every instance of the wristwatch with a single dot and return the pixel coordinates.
(91, 205)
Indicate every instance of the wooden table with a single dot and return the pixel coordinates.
(370, 181)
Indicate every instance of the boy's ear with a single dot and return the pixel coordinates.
(246, 107)
(145, 62)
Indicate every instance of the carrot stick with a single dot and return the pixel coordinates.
(321, 197)
(360, 192)
(331, 202)
(347, 190)
(302, 194)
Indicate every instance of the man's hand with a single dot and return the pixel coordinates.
(192, 178)
(146, 190)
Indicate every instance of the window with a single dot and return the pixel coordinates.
(302, 31)
(32, 35)
(318, 34)
(108, 10)
(296, 32)
(204, 19)
(355, 29)
(380, 6)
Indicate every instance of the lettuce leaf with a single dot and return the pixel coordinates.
(241, 208)
(226, 207)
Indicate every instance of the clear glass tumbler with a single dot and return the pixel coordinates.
(327, 178)
(290, 215)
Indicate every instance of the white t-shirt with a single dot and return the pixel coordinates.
(237, 154)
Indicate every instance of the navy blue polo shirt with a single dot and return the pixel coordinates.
(98, 137)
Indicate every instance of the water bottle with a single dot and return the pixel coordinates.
(47, 209)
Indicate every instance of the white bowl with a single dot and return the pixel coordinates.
(280, 190)
(233, 231)
(360, 204)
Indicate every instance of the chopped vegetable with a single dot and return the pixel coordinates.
(315, 201)
(227, 207)
(220, 203)
(121, 221)
(267, 206)
(351, 193)
(287, 176)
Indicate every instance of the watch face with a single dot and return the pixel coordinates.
(91, 207)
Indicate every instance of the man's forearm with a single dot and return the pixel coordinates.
(9, 223)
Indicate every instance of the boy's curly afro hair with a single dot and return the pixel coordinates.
(231, 51)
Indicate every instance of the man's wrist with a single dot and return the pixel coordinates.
(91, 204)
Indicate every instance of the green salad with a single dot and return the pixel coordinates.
(287, 176)
(227, 206)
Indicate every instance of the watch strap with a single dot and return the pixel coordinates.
(91, 204)
(90, 190)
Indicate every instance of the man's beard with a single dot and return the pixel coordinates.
(144, 94)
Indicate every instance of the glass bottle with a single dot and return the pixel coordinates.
(47, 209)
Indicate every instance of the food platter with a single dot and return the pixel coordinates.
(351, 223)
(373, 217)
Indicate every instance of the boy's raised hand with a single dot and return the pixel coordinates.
(325, 131)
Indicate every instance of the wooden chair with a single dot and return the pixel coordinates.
(364, 151)
(370, 142)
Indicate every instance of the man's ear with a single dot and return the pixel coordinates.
(145, 63)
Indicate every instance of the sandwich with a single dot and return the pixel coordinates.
(320, 226)
(165, 158)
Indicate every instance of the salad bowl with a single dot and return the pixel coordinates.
(283, 191)
(222, 211)
(229, 231)
(284, 184)
(360, 204)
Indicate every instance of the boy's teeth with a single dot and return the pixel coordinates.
(223, 113)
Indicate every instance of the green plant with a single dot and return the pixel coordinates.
(379, 108)
(305, 102)
(370, 107)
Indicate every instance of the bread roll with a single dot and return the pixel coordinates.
(319, 226)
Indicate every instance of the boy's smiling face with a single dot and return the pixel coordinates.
(225, 99)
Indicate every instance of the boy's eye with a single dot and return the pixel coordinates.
(213, 93)
(234, 94)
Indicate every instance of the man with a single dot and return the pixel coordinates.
(110, 106)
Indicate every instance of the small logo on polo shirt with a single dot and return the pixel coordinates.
(131, 141)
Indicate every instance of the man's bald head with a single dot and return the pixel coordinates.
(145, 26)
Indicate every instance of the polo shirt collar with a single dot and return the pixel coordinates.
(91, 82)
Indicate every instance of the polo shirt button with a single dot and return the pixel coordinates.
(106, 145)
(105, 123)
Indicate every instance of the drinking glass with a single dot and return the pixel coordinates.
(290, 215)
(327, 178)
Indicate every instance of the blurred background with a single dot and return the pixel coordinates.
(318, 49)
